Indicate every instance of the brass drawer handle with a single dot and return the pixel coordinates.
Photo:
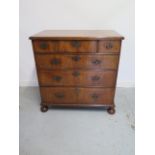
(57, 78)
(76, 73)
(59, 95)
(96, 62)
(55, 61)
(76, 58)
(43, 45)
(94, 96)
(75, 44)
(95, 78)
(109, 46)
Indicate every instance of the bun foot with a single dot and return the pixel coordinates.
(111, 110)
(44, 108)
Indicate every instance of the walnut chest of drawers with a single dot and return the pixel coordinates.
(77, 68)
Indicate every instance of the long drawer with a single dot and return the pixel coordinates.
(60, 95)
(58, 61)
(42, 46)
(77, 78)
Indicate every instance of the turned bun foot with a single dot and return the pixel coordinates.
(44, 108)
(111, 110)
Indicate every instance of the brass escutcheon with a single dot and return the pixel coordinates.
(57, 78)
(43, 45)
(75, 44)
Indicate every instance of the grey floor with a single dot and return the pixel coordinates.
(76, 131)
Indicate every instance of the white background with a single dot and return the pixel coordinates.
(38, 15)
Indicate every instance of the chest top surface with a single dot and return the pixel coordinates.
(77, 35)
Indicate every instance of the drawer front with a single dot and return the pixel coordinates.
(77, 46)
(64, 46)
(61, 95)
(96, 95)
(57, 61)
(58, 95)
(77, 78)
(109, 46)
(44, 46)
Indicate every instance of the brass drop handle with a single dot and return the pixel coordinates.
(75, 44)
(43, 45)
(76, 73)
(95, 78)
(55, 61)
(94, 96)
(109, 46)
(57, 78)
(59, 95)
(76, 58)
(96, 62)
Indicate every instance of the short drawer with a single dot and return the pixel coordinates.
(45, 46)
(109, 46)
(60, 95)
(77, 78)
(58, 61)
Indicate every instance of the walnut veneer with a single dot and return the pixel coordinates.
(77, 68)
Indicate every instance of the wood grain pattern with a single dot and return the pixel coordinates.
(58, 61)
(77, 78)
(41, 46)
(77, 35)
(77, 46)
(49, 46)
(77, 68)
(63, 95)
(109, 46)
